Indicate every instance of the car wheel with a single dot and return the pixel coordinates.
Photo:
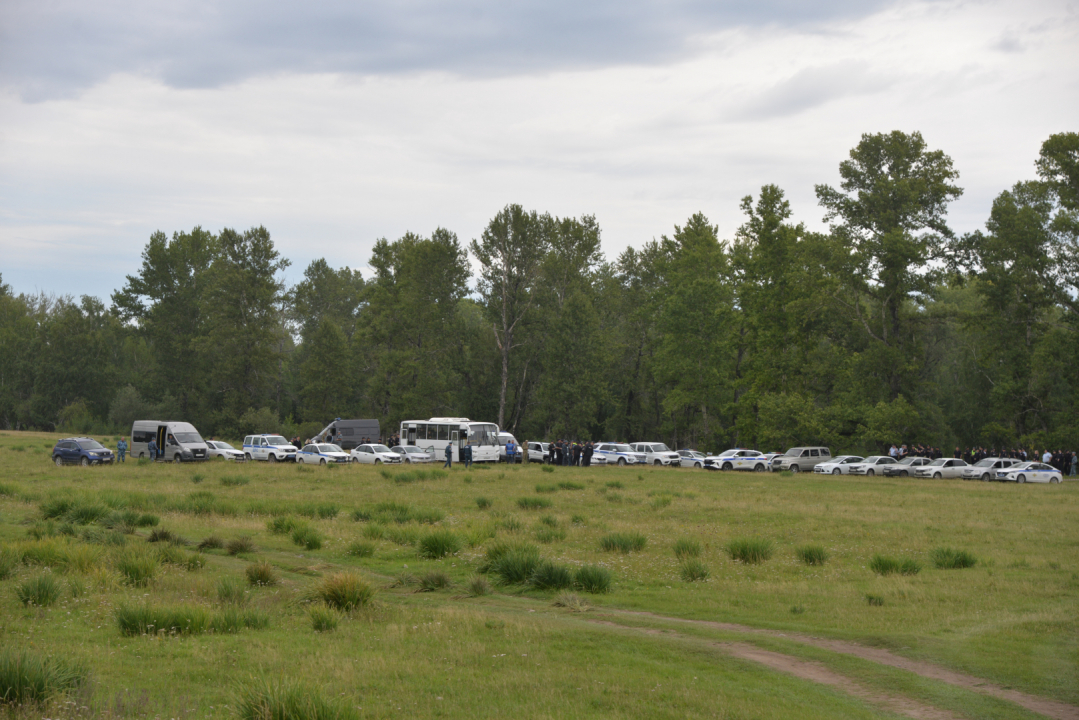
(1054, 480)
(621, 462)
(247, 456)
(936, 476)
(759, 467)
(409, 461)
(727, 467)
(698, 466)
(869, 473)
(176, 458)
(85, 462)
(355, 460)
(272, 458)
(1021, 479)
(377, 461)
(835, 471)
(985, 477)
(794, 468)
(322, 461)
(58, 460)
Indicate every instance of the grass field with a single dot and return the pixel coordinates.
(730, 595)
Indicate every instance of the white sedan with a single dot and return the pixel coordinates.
(691, 459)
(989, 468)
(838, 466)
(374, 454)
(321, 454)
(1030, 472)
(737, 459)
(218, 449)
(870, 466)
(942, 468)
(412, 454)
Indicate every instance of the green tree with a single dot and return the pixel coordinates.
(325, 373)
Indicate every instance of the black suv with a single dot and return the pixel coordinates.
(81, 451)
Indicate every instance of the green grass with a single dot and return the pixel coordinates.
(484, 503)
(811, 554)
(433, 580)
(139, 568)
(323, 618)
(361, 548)
(549, 575)
(624, 543)
(30, 678)
(40, 591)
(146, 619)
(345, 591)
(240, 546)
(686, 548)
(261, 574)
(233, 480)
(306, 537)
(265, 699)
(883, 565)
(951, 559)
(751, 551)
(693, 571)
(439, 543)
(593, 579)
(533, 503)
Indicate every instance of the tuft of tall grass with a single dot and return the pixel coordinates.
(232, 619)
(265, 699)
(883, 565)
(360, 548)
(483, 503)
(282, 524)
(86, 514)
(565, 485)
(82, 558)
(434, 580)
(751, 551)
(478, 586)
(197, 478)
(211, 543)
(549, 521)
(411, 476)
(345, 591)
(56, 507)
(403, 535)
(323, 618)
(138, 567)
(811, 554)
(951, 559)
(162, 535)
(9, 559)
(240, 545)
(158, 619)
(41, 591)
(234, 480)
(694, 570)
(572, 601)
(533, 503)
(374, 531)
(592, 579)
(874, 600)
(547, 535)
(510, 524)
(660, 502)
(617, 484)
(512, 563)
(47, 552)
(540, 488)
(307, 537)
(261, 573)
(548, 575)
(27, 678)
(231, 591)
(547, 468)
(439, 543)
(686, 548)
(624, 543)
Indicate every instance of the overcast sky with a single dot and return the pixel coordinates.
(337, 123)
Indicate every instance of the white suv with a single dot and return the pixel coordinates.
(271, 448)
(801, 459)
(657, 454)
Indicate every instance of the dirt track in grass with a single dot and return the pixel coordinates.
(1043, 706)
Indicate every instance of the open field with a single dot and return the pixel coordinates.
(702, 635)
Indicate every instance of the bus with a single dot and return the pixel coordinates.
(433, 435)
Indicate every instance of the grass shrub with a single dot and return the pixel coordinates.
(578, 520)
(660, 502)
(951, 559)
(231, 620)
(547, 468)
(874, 600)
(283, 524)
(811, 554)
(547, 535)
(323, 618)
(533, 503)
(86, 514)
(240, 545)
(570, 485)
(483, 503)
(624, 543)
(572, 601)
(265, 699)
(345, 591)
(540, 488)
(261, 574)
(439, 543)
(751, 551)
(510, 524)
(549, 521)
(138, 567)
(478, 586)
(592, 579)
(403, 535)
(234, 480)
(883, 565)
(41, 591)
(197, 478)
(172, 555)
(307, 537)
(387, 513)
(231, 591)
(434, 580)
(411, 476)
(694, 570)
(9, 559)
(145, 520)
(56, 507)
(548, 575)
(686, 548)
(166, 536)
(211, 543)
(48, 552)
(27, 678)
(146, 619)
(374, 531)
(81, 557)
(361, 549)
(617, 484)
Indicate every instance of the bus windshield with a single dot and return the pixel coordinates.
(187, 438)
(483, 434)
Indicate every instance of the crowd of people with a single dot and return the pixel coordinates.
(1064, 461)
(564, 452)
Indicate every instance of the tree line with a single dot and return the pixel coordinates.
(888, 327)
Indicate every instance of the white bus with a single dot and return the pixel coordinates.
(433, 435)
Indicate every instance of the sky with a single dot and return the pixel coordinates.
(334, 124)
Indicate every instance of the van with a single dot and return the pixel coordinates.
(657, 453)
(801, 459)
(176, 441)
(352, 433)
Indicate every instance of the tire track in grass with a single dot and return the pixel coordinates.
(1043, 706)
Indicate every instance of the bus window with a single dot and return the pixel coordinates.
(443, 432)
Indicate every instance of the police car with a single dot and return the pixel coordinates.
(737, 459)
(1030, 472)
(321, 454)
(271, 448)
(618, 454)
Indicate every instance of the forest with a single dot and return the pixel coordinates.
(889, 327)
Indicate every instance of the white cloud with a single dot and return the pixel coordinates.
(329, 162)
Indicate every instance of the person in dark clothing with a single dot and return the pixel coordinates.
(576, 454)
(449, 455)
(558, 452)
(466, 454)
(588, 451)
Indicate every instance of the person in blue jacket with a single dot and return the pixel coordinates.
(449, 455)
(121, 450)
(151, 448)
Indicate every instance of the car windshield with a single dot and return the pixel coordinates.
(984, 463)
(91, 445)
(224, 446)
(380, 448)
(728, 453)
(623, 448)
(938, 462)
(852, 459)
(187, 438)
(907, 460)
(412, 449)
(660, 447)
(329, 448)
(1021, 466)
(276, 440)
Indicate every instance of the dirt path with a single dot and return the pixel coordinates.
(1043, 706)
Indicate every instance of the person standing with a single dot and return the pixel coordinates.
(151, 448)
(121, 450)
(588, 450)
(577, 454)
(466, 455)
(1047, 457)
(1075, 464)
(449, 455)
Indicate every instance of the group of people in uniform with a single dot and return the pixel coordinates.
(564, 452)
